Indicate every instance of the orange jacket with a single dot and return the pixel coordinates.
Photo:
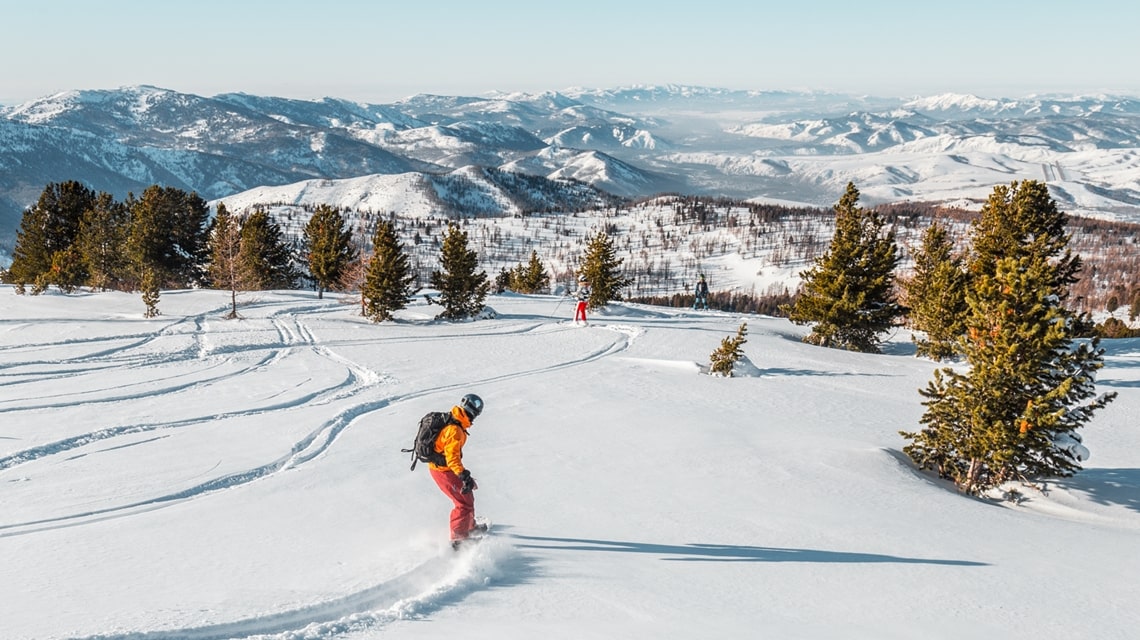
(451, 440)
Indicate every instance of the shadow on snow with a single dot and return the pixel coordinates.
(726, 553)
(1105, 486)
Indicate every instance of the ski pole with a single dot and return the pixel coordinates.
(553, 313)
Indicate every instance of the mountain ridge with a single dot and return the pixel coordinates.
(635, 141)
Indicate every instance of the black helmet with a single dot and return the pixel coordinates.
(472, 405)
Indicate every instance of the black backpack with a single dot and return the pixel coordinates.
(423, 449)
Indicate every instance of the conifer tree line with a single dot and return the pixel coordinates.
(1000, 303)
(663, 249)
(163, 239)
(166, 239)
(529, 278)
(328, 255)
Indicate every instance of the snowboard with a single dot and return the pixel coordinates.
(475, 537)
(483, 521)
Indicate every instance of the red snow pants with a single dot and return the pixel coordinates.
(580, 311)
(463, 511)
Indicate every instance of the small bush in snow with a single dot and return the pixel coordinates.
(726, 356)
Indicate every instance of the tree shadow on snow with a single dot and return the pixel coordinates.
(783, 371)
(1105, 486)
(1120, 347)
(1108, 487)
(898, 348)
(726, 553)
(1120, 384)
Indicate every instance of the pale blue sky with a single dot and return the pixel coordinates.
(379, 51)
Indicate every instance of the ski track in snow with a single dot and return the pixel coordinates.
(418, 592)
(436, 583)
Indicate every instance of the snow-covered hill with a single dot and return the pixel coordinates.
(193, 477)
(793, 146)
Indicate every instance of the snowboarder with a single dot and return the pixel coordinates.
(702, 294)
(583, 295)
(454, 479)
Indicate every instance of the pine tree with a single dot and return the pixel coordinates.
(169, 236)
(849, 293)
(531, 277)
(1018, 220)
(504, 279)
(602, 269)
(724, 359)
(67, 270)
(49, 226)
(388, 282)
(1014, 414)
(265, 260)
(225, 249)
(102, 235)
(329, 243)
(936, 295)
(462, 291)
(149, 284)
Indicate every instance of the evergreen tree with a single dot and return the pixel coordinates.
(724, 359)
(329, 243)
(1014, 414)
(102, 235)
(168, 235)
(225, 250)
(67, 271)
(462, 291)
(936, 295)
(1019, 220)
(388, 282)
(265, 260)
(149, 283)
(49, 226)
(531, 277)
(849, 293)
(602, 269)
(504, 279)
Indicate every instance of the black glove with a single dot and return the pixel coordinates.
(468, 482)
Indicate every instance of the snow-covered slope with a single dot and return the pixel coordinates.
(466, 192)
(192, 477)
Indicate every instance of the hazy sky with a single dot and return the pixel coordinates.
(379, 50)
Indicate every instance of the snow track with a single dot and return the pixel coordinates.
(202, 374)
(194, 477)
(181, 372)
(437, 582)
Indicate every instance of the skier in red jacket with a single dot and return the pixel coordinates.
(583, 295)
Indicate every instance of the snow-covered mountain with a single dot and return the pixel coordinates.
(636, 141)
(475, 191)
